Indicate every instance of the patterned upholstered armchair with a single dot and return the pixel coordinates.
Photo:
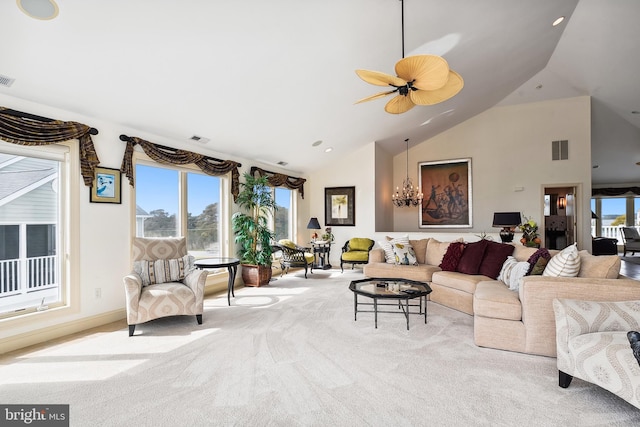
(293, 256)
(592, 344)
(356, 251)
(163, 282)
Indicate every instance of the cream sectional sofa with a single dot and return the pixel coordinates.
(522, 320)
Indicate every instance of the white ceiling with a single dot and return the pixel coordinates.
(266, 79)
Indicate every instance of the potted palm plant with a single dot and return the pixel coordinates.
(251, 228)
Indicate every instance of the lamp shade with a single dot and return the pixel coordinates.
(506, 219)
(314, 224)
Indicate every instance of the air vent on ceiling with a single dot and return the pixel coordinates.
(560, 150)
(6, 81)
(199, 139)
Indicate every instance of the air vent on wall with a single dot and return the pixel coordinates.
(560, 150)
(199, 139)
(281, 163)
(6, 81)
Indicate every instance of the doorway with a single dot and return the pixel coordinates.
(560, 220)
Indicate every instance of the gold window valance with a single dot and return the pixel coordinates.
(27, 129)
(281, 180)
(175, 156)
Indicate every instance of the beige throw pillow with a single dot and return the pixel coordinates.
(564, 264)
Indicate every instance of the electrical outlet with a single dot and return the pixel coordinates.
(98, 292)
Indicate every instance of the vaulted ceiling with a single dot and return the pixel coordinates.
(268, 79)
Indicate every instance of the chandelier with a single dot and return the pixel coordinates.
(410, 195)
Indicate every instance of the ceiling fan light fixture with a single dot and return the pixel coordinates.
(419, 80)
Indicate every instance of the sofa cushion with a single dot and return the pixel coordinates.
(494, 300)
(512, 271)
(564, 264)
(435, 251)
(452, 256)
(455, 280)
(387, 246)
(522, 252)
(420, 248)
(472, 257)
(404, 254)
(601, 267)
(421, 272)
(494, 257)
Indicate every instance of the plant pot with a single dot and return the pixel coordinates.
(256, 275)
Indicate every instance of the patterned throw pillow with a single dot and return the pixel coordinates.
(404, 254)
(164, 270)
(534, 260)
(452, 256)
(512, 271)
(387, 246)
(564, 264)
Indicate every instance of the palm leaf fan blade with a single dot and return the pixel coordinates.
(427, 72)
(431, 97)
(380, 79)
(376, 96)
(399, 104)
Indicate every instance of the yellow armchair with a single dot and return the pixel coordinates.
(356, 251)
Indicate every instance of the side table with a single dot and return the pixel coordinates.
(321, 251)
(230, 263)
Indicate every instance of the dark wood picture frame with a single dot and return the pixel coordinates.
(106, 186)
(340, 206)
(447, 202)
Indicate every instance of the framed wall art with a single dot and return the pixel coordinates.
(106, 186)
(340, 206)
(447, 201)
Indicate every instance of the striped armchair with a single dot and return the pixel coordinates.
(163, 282)
(592, 345)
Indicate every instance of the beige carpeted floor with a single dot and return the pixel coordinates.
(291, 354)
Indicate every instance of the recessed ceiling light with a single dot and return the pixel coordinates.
(39, 9)
(328, 149)
(539, 87)
(315, 144)
(558, 21)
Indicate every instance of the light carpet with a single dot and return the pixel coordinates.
(291, 354)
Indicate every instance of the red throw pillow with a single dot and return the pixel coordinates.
(452, 256)
(494, 257)
(472, 257)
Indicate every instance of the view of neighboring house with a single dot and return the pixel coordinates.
(28, 240)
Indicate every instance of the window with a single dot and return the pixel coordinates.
(31, 232)
(283, 224)
(612, 212)
(174, 202)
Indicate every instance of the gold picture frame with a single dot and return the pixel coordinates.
(447, 201)
(106, 186)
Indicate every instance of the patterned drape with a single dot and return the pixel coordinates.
(281, 180)
(174, 156)
(615, 191)
(26, 129)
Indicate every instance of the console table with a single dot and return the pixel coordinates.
(321, 252)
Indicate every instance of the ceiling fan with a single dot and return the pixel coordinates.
(420, 80)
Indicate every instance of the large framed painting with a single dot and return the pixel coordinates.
(446, 185)
(340, 206)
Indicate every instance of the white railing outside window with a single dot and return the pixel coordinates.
(24, 276)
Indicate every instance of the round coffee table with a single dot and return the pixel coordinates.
(400, 290)
(232, 267)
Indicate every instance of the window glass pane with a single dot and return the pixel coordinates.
(156, 202)
(636, 210)
(283, 220)
(29, 265)
(613, 216)
(203, 215)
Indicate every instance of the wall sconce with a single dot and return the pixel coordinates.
(508, 221)
(562, 202)
(314, 225)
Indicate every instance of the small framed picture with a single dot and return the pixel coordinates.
(106, 186)
(340, 206)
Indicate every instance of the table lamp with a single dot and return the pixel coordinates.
(508, 221)
(314, 225)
